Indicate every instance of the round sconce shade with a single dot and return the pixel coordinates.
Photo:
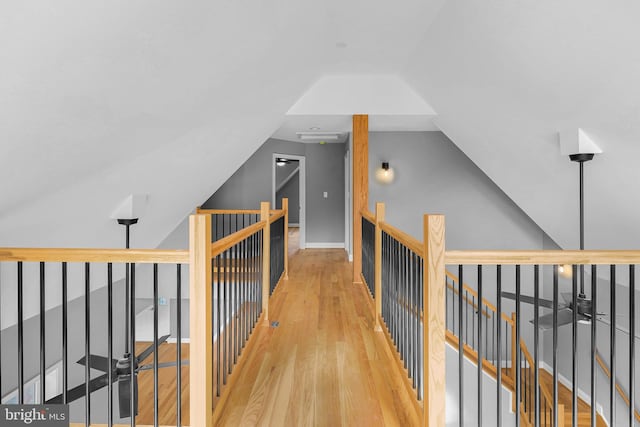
(384, 174)
(566, 270)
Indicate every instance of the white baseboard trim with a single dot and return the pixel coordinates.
(567, 383)
(175, 340)
(325, 245)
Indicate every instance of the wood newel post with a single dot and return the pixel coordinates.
(266, 258)
(200, 321)
(359, 195)
(285, 207)
(378, 264)
(434, 321)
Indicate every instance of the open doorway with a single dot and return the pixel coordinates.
(288, 180)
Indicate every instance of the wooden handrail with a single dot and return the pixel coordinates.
(402, 237)
(621, 392)
(485, 313)
(226, 211)
(232, 211)
(160, 256)
(226, 242)
(472, 292)
(276, 216)
(368, 216)
(554, 257)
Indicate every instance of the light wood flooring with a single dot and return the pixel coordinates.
(167, 402)
(323, 365)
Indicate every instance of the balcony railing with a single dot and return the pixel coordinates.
(421, 304)
(71, 321)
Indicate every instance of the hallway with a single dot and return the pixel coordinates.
(323, 364)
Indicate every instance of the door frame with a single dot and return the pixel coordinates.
(301, 192)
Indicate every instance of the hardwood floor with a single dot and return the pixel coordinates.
(323, 365)
(167, 403)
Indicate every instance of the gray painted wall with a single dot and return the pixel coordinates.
(251, 183)
(433, 176)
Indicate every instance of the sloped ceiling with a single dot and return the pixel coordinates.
(505, 77)
(102, 100)
(164, 98)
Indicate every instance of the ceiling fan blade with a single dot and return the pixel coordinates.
(161, 365)
(124, 395)
(100, 363)
(529, 300)
(79, 391)
(147, 351)
(565, 316)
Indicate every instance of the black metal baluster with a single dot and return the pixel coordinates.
(416, 325)
(632, 343)
(225, 300)
(594, 349)
(517, 338)
(155, 346)
(536, 345)
(43, 364)
(612, 349)
(229, 319)
(65, 356)
(219, 325)
(574, 345)
(133, 389)
(460, 349)
(555, 346)
(480, 373)
(179, 346)
(20, 336)
(499, 339)
(87, 343)
(233, 253)
(109, 343)
(421, 328)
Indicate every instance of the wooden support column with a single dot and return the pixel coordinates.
(200, 322)
(285, 207)
(378, 264)
(266, 259)
(360, 193)
(434, 321)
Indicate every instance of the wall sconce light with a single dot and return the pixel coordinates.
(384, 174)
(566, 270)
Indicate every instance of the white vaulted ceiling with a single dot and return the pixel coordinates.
(167, 99)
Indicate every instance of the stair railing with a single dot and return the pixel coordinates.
(494, 350)
(410, 309)
(78, 291)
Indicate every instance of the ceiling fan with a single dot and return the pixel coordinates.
(120, 369)
(121, 373)
(583, 304)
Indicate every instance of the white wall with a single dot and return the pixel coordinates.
(489, 395)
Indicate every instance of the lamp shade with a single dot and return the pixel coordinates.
(385, 174)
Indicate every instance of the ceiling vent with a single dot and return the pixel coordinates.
(320, 136)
